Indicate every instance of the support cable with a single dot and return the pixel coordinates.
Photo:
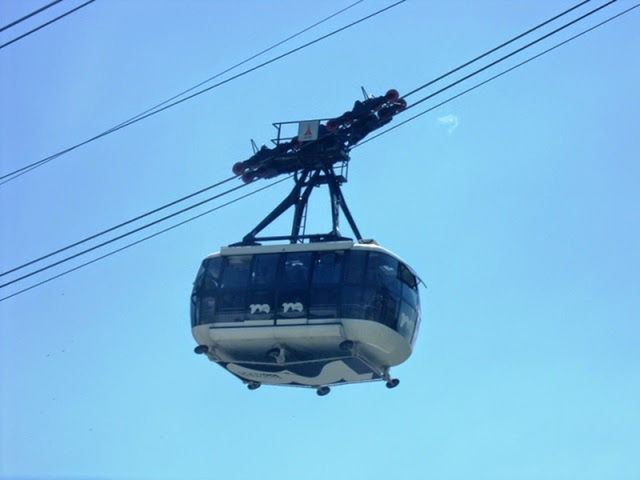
(477, 85)
(35, 12)
(148, 237)
(16, 173)
(115, 227)
(119, 237)
(45, 24)
(495, 49)
(503, 58)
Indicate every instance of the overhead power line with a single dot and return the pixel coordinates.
(495, 49)
(148, 237)
(46, 24)
(35, 12)
(120, 237)
(504, 72)
(115, 227)
(511, 54)
(16, 173)
(239, 64)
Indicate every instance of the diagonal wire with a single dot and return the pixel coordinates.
(504, 72)
(119, 237)
(35, 12)
(148, 237)
(16, 173)
(115, 227)
(239, 64)
(518, 50)
(489, 52)
(45, 24)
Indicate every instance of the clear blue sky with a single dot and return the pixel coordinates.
(517, 203)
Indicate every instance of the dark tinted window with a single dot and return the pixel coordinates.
(264, 269)
(382, 270)
(236, 271)
(407, 320)
(406, 276)
(354, 267)
(296, 269)
(327, 268)
(324, 302)
(352, 304)
(210, 281)
(410, 295)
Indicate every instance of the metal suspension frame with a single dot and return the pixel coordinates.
(298, 198)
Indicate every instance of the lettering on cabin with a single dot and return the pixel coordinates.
(259, 308)
(292, 307)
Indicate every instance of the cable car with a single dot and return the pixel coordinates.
(317, 311)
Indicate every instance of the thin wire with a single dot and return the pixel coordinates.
(275, 45)
(499, 74)
(518, 50)
(119, 237)
(45, 24)
(142, 239)
(29, 15)
(84, 240)
(27, 168)
(489, 52)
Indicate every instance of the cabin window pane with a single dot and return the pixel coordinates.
(324, 302)
(352, 306)
(296, 269)
(231, 307)
(354, 267)
(206, 310)
(407, 277)
(210, 281)
(370, 304)
(327, 268)
(407, 321)
(264, 269)
(410, 295)
(383, 270)
(236, 271)
(387, 309)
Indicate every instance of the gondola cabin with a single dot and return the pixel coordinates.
(306, 314)
(320, 310)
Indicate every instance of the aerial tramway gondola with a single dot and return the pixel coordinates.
(321, 309)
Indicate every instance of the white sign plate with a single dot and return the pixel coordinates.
(308, 130)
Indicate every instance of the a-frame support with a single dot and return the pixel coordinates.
(298, 198)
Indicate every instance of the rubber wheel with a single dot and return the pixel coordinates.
(392, 95)
(253, 385)
(322, 391)
(401, 105)
(200, 349)
(393, 383)
(247, 177)
(238, 169)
